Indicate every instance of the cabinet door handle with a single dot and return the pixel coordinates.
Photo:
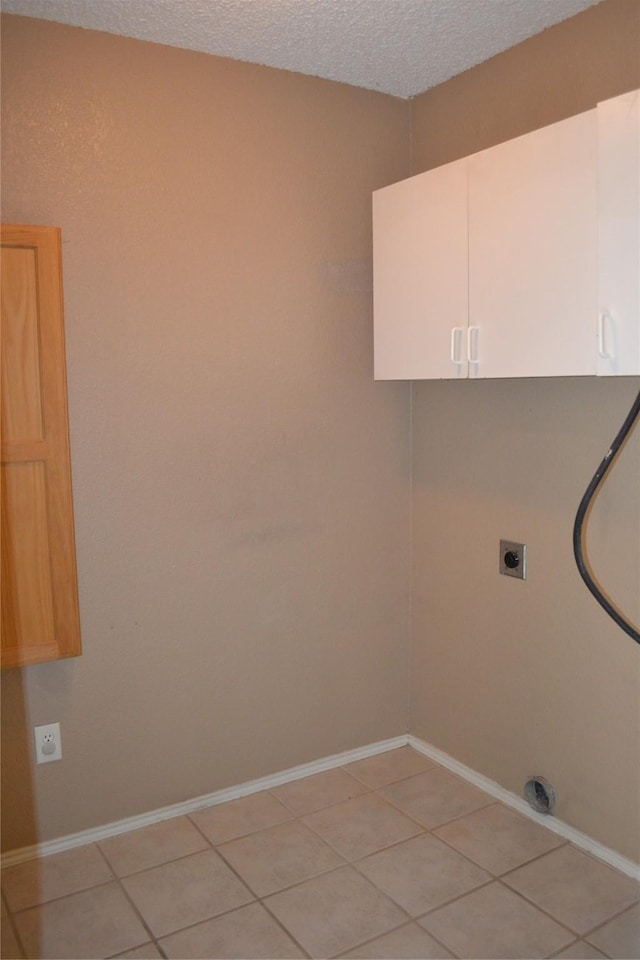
(456, 345)
(603, 321)
(472, 344)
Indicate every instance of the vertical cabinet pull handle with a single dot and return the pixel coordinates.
(472, 344)
(456, 345)
(603, 322)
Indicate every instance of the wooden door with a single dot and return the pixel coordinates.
(533, 252)
(40, 618)
(420, 276)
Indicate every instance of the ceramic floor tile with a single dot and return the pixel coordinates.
(148, 951)
(185, 892)
(9, 948)
(422, 873)
(407, 942)
(321, 790)
(276, 858)
(621, 936)
(247, 933)
(226, 821)
(497, 838)
(361, 826)
(152, 845)
(580, 951)
(95, 923)
(388, 767)
(47, 878)
(494, 922)
(575, 888)
(435, 797)
(333, 913)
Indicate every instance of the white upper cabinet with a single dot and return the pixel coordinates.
(533, 252)
(519, 261)
(420, 275)
(619, 235)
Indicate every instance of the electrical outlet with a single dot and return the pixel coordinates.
(513, 559)
(48, 743)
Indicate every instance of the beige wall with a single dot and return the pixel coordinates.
(517, 679)
(241, 483)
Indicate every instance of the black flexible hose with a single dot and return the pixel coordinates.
(582, 510)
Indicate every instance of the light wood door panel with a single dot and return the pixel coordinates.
(27, 601)
(21, 399)
(40, 619)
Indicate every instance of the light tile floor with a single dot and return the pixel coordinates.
(388, 857)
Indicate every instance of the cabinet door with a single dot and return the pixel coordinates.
(420, 276)
(533, 252)
(619, 235)
(39, 594)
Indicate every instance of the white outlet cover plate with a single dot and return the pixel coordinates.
(45, 735)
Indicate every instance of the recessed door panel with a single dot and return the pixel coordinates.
(27, 601)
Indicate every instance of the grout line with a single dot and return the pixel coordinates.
(561, 923)
(599, 926)
(9, 917)
(115, 956)
(257, 899)
(333, 803)
(285, 929)
(568, 947)
(125, 893)
(157, 866)
(436, 826)
(63, 896)
(153, 938)
(447, 903)
(502, 873)
(485, 883)
(582, 841)
(66, 896)
(272, 893)
(200, 831)
(346, 863)
(385, 933)
(299, 818)
(236, 792)
(160, 949)
(492, 881)
(525, 863)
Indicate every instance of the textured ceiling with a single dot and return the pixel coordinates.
(401, 47)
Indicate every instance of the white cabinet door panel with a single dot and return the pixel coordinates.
(619, 235)
(420, 276)
(533, 252)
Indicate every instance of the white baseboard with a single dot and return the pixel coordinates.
(494, 789)
(198, 803)
(510, 799)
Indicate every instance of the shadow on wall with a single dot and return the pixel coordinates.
(16, 772)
